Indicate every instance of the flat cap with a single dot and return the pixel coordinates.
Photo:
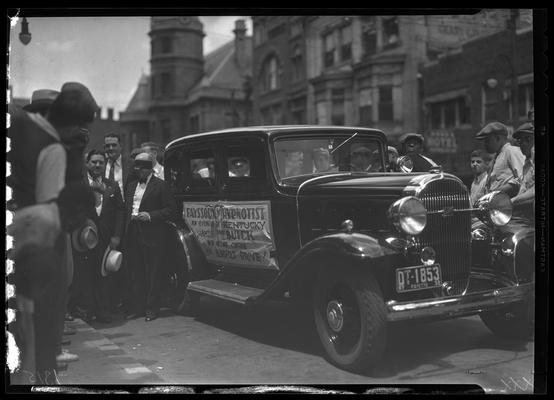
(407, 136)
(493, 128)
(526, 128)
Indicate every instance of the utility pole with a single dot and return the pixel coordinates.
(512, 26)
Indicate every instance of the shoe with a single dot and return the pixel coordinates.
(66, 342)
(66, 357)
(69, 330)
(69, 317)
(133, 316)
(150, 316)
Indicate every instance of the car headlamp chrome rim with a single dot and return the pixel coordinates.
(405, 164)
(495, 208)
(408, 215)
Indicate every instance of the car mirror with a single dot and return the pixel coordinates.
(404, 164)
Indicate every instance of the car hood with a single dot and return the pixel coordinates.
(384, 184)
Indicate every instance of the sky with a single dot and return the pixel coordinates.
(107, 54)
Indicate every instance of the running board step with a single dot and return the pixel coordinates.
(225, 290)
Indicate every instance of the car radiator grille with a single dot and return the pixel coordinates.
(450, 235)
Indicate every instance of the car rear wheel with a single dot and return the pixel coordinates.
(516, 321)
(350, 319)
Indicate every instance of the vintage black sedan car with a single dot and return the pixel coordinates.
(309, 214)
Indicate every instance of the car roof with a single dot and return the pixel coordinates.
(271, 130)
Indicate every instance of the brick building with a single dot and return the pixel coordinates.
(471, 85)
(186, 91)
(352, 70)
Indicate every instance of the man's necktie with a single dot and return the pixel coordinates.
(112, 171)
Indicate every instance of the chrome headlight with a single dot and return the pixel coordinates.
(495, 208)
(405, 164)
(408, 215)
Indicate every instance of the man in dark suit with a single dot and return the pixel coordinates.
(149, 205)
(91, 291)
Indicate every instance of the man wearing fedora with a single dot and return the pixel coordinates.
(412, 146)
(90, 294)
(506, 168)
(149, 205)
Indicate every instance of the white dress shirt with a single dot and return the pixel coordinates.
(139, 192)
(90, 182)
(118, 173)
(159, 171)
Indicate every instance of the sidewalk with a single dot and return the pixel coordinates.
(101, 361)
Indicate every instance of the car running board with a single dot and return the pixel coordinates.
(225, 290)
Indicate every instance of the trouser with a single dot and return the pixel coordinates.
(145, 269)
(66, 275)
(89, 291)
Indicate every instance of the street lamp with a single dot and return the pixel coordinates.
(24, 35)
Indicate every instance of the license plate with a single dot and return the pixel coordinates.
(418, 277)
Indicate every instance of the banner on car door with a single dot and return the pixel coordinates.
(233, 233)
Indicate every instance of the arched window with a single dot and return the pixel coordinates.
(297, 63)
(270, 74)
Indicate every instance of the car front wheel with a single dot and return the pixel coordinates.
(350, 319)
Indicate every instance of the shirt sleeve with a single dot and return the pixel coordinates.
(516, 159)
(51, 166)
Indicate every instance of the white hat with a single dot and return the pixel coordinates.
(111, 261)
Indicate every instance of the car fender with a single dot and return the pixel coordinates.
(524, 254)
(355, 250)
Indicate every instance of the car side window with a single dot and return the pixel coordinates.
(245, 165)
(201, 164)
(175, 170)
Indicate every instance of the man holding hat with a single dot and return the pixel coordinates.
(91, 286)
(412, 146)
(507, 166)
(149, 205)
(524, 201)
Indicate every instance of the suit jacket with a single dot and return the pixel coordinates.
(157, 201)
(111, 219)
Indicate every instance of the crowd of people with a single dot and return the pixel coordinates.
(90, 229)
(93, 230)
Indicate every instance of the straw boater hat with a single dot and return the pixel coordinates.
(111, 261)
(86, 237)
(41, 99)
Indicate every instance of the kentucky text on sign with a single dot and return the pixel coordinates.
(238, 233)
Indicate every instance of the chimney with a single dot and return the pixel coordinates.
(110, 114)
(240, 44)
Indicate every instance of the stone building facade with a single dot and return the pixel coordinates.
(186, 91)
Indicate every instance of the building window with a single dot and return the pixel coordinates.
(272, 115)
(337, 107)
(296, 29)
(346, 43)
(166, 44)
(525, 99)
(369, 35)
(385, 103)
(329, 50)
(297, 63)
(166, 86)
(270, 72)
(153, 86)
(260, 34)
(366, 107)
(165, 128)
(449, 114)
(390, 32)
(194, 124)
(298, 110)
(276, 31)
(490, 104)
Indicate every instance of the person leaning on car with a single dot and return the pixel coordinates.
(506, 168)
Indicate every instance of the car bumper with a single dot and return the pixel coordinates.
(454, 306)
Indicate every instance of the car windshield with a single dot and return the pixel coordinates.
(300, 158)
